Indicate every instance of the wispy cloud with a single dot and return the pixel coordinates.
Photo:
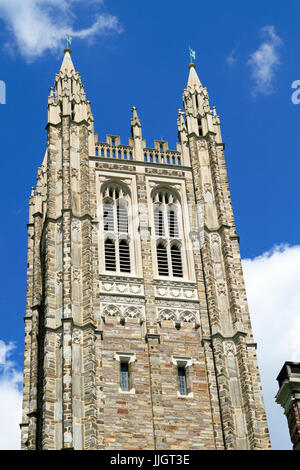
(264, 61)
(272, 283)
(10, 399)
(35, 26)
(232, 58)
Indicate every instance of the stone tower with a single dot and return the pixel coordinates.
(288, 397)
(137, 331)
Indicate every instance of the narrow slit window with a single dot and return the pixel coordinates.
(110, 255)
(200, 127)
(124, 256)
(162, 260)
(182, 382)
(176, 261)
(124, 372)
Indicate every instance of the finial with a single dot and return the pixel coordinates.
(134, 113)
(69, 40)
(192, 55)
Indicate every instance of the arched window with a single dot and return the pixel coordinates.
(115, 202)
(166, 217)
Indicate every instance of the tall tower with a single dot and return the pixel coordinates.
(137, 331)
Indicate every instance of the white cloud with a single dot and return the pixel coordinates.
(35, 26)
(264, 61)
(272, 283)
(10, 399)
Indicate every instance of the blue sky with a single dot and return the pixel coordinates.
(136, 54)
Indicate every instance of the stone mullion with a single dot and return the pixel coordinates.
(204, 321)
(225, 217)
(89, 389)
(53, 157)
(49, 392)
(27, 343)
(48, 361)
(34, 359)
(84, 170)
(237, 296)
(151, 326)
(252, 393)
(99, 392)
(236, 290)
(217, 182)
(220, 368)
(88, 315)
(89, 353)
(100, 400)
(222, 384)
(66, 288)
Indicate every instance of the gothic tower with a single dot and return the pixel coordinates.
(137, 331)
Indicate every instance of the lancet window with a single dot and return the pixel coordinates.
(117, 249)
(167, 218)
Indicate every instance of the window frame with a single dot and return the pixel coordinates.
(165, 201)
(114, 194)
(127, 358)
(181, 362)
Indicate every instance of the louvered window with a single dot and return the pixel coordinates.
(173, 223)
(117, 247)
(159, 222)
(176, 261)
(124, 256)
(167, 230)
(122, 218)
(110, 255)
(162, 260)
(108, 217)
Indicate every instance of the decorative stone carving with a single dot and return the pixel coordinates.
(59, 277)
(74, 173)
(221, 288)
(76, 274)
(229, 348)
(112, 311)
(132, 312)
(187, 317)
(77, 336)
(58, 340)
(202, 144)
(167, 315)
(76, 225)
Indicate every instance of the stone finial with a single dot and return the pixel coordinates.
(135, 119)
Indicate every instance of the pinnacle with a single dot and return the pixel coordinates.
(193, 79)
(67, 64)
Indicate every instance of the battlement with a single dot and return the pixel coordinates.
(160, 153)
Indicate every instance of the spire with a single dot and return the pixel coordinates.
(67, 64)
(193, 79)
